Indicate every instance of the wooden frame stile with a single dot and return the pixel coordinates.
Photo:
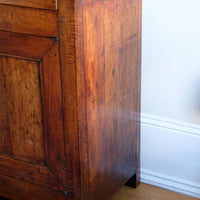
(69, 77)
(82, 109)
(139, 30)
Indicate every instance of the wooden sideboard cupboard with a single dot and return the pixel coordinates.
(69, 98)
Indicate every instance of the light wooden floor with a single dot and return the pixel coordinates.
(148, 192)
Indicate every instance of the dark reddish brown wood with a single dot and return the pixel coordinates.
(47, 4)
(95, 94)
(16, 189)
(28, 172)
(5, 140)
(52, 113)
(28, 20)
(24, 46)
(81, 92)
(67, 35)
(111, 42)
(83, 60)
(24, 121)
(34, 107)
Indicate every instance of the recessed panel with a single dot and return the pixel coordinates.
(21, 129)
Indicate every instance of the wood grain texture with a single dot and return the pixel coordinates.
(22, 90)
(47, 4)
(53, 116)
(16, 189)
(28, 172)
(24, 46)
(67, 35)
(28, 20)
(33, 88)
(111, 82)
(88, 54)
(148, 192)
(95, 94)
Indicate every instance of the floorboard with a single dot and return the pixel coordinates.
(148, 192)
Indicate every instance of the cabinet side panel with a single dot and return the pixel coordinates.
(112, 87)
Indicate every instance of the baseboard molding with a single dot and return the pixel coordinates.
(173, 125)
(170, 154)
(170, 183)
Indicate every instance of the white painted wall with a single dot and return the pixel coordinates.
(171, 59)
(170, 149)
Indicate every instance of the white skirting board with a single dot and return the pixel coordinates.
(170, 154)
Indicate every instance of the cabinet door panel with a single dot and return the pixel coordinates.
(47, 4)
(31, 126)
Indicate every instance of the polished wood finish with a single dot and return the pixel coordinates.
(17, 189)
(31, 113)
(47, 4)
(112, 78)
(28, 20)
(148, 192)
(71, 119)
(22, 121)
(70, 80)
(24, 46)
